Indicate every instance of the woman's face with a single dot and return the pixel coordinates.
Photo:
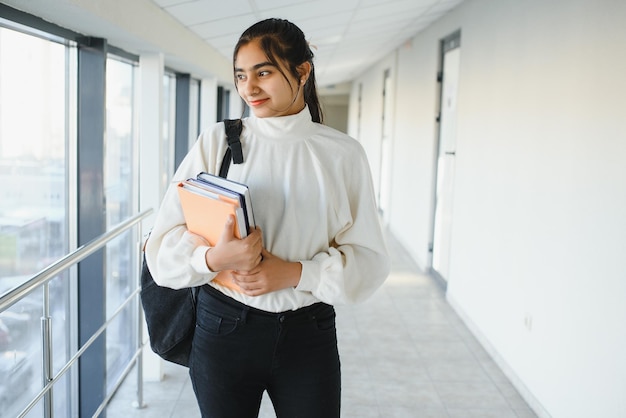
(262, 85)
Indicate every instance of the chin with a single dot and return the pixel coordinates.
(263, 113)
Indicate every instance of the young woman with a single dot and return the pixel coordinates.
(267, 322)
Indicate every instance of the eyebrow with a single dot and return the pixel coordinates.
(256, 66)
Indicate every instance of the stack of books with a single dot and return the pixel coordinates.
(207, 202)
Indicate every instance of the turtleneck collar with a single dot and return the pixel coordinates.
(282, 127)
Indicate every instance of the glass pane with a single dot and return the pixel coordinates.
(20, 354)
(121, 270)
(33, 208)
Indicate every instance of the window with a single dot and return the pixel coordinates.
(34, 207)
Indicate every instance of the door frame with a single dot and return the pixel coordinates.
(446, 44)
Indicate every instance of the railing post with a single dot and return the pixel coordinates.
(139, 402)
(46, 339)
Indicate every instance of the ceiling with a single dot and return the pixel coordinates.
(347, 36)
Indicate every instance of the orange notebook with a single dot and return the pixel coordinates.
(206, 212)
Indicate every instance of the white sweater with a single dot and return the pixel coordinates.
(312, 196)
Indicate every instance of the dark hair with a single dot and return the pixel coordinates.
(284, 41)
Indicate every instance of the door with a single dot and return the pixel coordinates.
(446, 154)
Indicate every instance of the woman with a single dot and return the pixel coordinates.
(271, 327)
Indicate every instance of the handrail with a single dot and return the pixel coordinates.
(41, 279)
(13, 296)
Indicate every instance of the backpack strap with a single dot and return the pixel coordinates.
(233, 131)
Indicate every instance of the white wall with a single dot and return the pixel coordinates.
(539, 218)
(335, 112)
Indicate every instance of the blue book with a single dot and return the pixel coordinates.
(233, 187)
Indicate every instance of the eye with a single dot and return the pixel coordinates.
(264, 73)
(240, 77)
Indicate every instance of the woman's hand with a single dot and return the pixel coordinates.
(231, 253)
(270, 275)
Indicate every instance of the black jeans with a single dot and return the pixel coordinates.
(239, 352)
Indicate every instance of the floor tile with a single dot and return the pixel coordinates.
(406, 393)
(471, 395)
(444, 351)
(457, 371)
(404, 412)
(267, 410)
(481, 413)
(361, 411)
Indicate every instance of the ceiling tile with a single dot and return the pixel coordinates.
(226, 26)
(307, 10)
(165, 3)
(274, 4)
(200, 11)
(382, 10)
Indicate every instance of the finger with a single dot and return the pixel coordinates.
(243, 273)
(228, 233)
(239, 278)
(242, 277)
(252, 265)
(254, 292)
(250, 288)
(255, 238)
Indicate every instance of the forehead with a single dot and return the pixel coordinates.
(250, 55)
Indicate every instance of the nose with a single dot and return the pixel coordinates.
(251, 88)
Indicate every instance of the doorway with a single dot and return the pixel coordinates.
(448, 78)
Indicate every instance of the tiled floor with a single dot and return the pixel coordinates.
(404, 353)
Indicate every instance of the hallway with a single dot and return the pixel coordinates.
(404, 352)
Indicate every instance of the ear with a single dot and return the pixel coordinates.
(304, 70)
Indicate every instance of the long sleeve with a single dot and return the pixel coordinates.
(357, 262)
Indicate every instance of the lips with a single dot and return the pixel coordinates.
(257, 102)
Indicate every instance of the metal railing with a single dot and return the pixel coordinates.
(41, 280)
